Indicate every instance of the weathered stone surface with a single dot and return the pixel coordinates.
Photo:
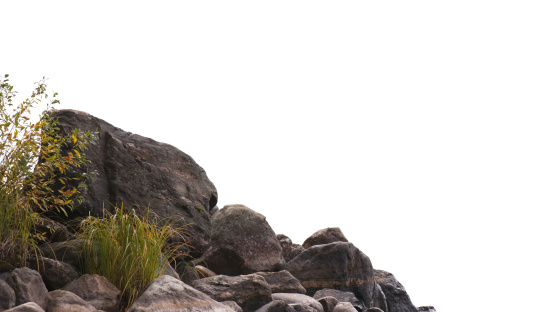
(427, 308)
(190, 273)
(97, 291)
(345, 307)
(282, 282)
(337, 265)
(26, 307)
(325, 236)
(52, 230)
(341, 296)
(380, 301)
(7, 296)
(299, 302)
(68, 251)
(397, 297)
(28, 286)
(55, 274)
(233, 305)
(66, 301)
(250, 292)
(141, 173)
(289, 250)
(328, 303)
(166, 293)
(242, 243)
(374, 309)
(276, 306)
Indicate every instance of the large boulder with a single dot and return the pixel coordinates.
(166, 293)
(142, 173)
(55, 274)
(242, 243)
(250, 292)
(66, 301)
(299, 302)
(337, 265)
(396, 296)
(97, 291)
(282, 282)
(26, 307)
(345, 307)
(68, 251)
(7, 296)
(341, 296)
(325, 236)
(28, 286)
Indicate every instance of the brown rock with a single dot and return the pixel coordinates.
(28, 286)
(325, 236)
(282, 282)
(97, 291)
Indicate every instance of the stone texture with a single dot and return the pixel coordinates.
(374, 309)
(276, 306)
(299, 302)
(427, 308)
(380, 301)
(233, 305)
(26, 307)
(396, 296)
(328, 303)
(345, 307)
(282, 282)
(242, 243)
(66, 301)
(250, 292)
(325, 236)
(166, 293)
(28, 286)
(289, 250)
(68, 251)
(55, 274)
(52, 230)
(97, 291)
(337, 265)
(341, 296)
(7, 296)
(141, 173)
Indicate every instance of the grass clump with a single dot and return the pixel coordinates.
(130, 251)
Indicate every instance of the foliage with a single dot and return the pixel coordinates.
(34, 157)
(128, 250)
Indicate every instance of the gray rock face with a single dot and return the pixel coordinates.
(397, 297)
(427, 308)
(341, 296)
(328, 303)
(374, 310)
(289, 250)
(276, 306)
(166, 293)
(97, 291)
(7, 296)
(26, 307)
(345, 307)
(68, 251)
(66, 301)
(55, 274)
(233, 305)
(28, 287)
(325, 236)
(282, 282)
(299, 302)
(242, 243)
(250, 292)
(337, 265)
(141, 173)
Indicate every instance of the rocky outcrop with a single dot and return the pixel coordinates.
(289, 249)
(325, 236)
(97, 291)
(242, 243)
(141, 173)
(282, 282)
(396, 296)
(250, 292)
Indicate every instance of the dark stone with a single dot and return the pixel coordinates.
(276, 306)
(396, 296)
(7, 296)
(55, 274)
(53, 231)
(26, 307)
(328, 303)
(374, 310)
(341, 296)
(68, 252)
(337, 265)
(289, 250)
(97, 291)
(427, 308)
(28, 287)
(299, 302)
(282, 282)
(325, 236)
(250, 292)
(141, 173)
(242, 243)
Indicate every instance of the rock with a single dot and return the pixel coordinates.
(52, 230)
(68, 251)
(190, 273)
(28, 287)
(345, 307)
(7, 296)
(233, 305)
(299, 302)
(289, 250)
(97, 291)
(325, 236)
(374, 310)
(66, 301)
(337, 265)
(328, 303)
(427, 308)
(55, 274)
(282, 282)
(26, 307)
(380, 301)
(276, 306)
(397, 297)
(166, 293)
(250, 292)
(140, 173)
(242, 243)
(341, 296)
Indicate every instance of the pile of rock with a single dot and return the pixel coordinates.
(239, 264)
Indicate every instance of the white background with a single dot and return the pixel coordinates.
(420, 128)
